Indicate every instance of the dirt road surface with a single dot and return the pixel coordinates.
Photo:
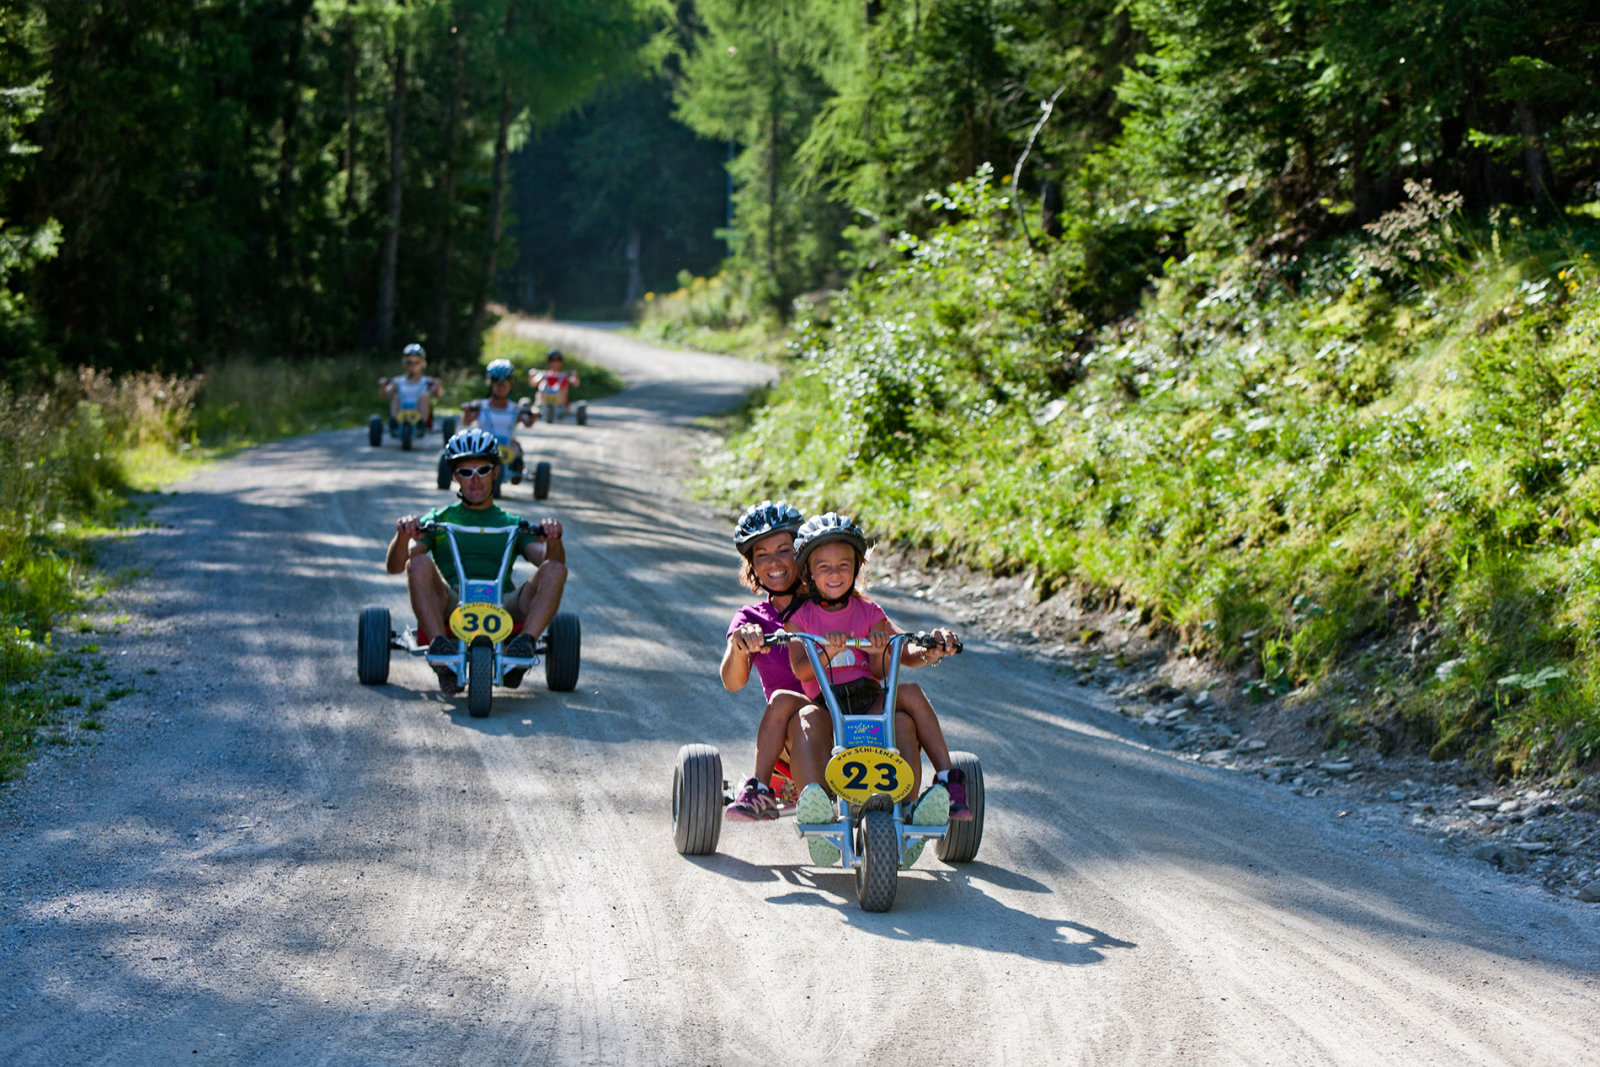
(264, 862)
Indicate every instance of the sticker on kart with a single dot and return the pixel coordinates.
(471, 621)
(857, 773)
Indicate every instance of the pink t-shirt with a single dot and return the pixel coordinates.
(856, 619)
(772, 664)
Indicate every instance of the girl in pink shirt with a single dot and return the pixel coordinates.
(829, 551)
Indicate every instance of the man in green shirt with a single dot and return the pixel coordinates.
(431, 578)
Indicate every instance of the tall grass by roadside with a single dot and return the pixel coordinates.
(710, 315)
(65, 453)
(1377, 478)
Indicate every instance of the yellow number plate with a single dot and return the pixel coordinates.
(409, 415)
(507, 454)
(857, 773)
(470, 621)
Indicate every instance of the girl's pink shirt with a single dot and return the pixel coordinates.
(856, 619)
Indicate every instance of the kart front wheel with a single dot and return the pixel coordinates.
(375, 431)
(580, 412)
(444, 472)
(960, 842)
(408, 433)
(541, 480)
(697, 800)
(372, 646)
(447, 427)
(876, 877)
(561, 654)
(480, 680)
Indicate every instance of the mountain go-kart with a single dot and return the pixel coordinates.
(552, 412)
(541, 471)
(869, 778)
(406, 426)
(481, 625)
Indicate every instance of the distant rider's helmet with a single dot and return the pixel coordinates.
(500, 370)
(824, 529)
(414, 349)
(764, 520)
(554, 356)
(472, 443)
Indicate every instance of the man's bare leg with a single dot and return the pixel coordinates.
(540, 597)
(431, 598)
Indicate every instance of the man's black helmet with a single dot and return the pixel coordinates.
(823, 529)
(414, 349)
(764, 520)
(554, 353)
(472, 443)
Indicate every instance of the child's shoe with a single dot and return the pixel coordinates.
(754, 803)
(814, 807)
(957, 788)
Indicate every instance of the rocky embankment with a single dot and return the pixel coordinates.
(1544, 832)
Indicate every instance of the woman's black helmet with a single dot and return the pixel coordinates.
(823, 529)
(764, 520)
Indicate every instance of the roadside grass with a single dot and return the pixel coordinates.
(710, 315)
(1277, 472)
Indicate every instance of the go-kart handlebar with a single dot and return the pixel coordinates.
(523, 526)
(922, 639)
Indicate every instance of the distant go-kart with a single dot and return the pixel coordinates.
(552, 412)
(867, 775)
(541, 471)
(407, 425)
(481, 625)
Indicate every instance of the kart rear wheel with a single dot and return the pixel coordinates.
(541, 480)
(447, 427)
(480, 680)
(561, 654)
(580, 412)
(697, 800)
(960, 842)
(444, 473)
(375, 431)
(372, 646)
(876, 877)
(408, 433)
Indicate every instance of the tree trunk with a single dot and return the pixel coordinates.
(632, 252)
(389, 264)
(774, 131)
(491, 259)
(440, 334)
(349, 210)
(1534, 157)
(1050, 207)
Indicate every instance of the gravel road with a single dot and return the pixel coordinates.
(262, 861)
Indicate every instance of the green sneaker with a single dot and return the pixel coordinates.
(815, 807)
(932, 810)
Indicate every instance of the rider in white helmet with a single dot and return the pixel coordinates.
(497, 414)
(412, 388)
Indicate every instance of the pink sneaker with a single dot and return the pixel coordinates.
(754, 803)
(957, 785)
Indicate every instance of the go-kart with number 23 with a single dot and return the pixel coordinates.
(867, 775)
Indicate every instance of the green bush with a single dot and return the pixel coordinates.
(1277, 466)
